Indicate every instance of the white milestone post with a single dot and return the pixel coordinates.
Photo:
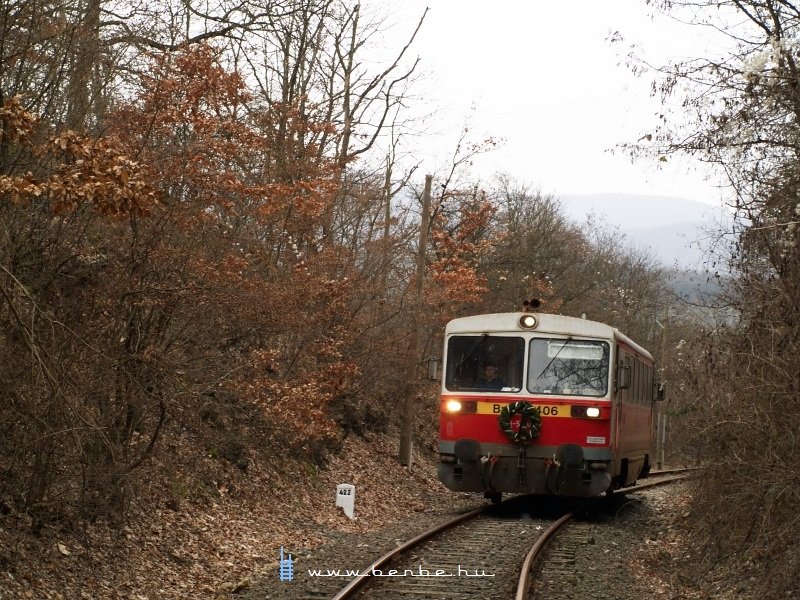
(346, 498)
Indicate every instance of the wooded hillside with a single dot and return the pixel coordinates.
(208, 241)
(199, 236)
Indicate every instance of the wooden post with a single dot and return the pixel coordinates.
(406, 431)
(661, 428)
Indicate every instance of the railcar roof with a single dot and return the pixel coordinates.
(555, 324)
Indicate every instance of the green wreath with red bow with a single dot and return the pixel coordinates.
(524, 429)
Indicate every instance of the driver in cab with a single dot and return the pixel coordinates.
(489, 379)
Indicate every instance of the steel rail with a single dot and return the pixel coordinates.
(524, 576)
(673, 471)
(358, 581)
(533, 553)
(651, 484)
(355, 584)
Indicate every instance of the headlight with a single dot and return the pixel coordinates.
(527, 321)
(464, 407)
(452, 406)
(585, 412)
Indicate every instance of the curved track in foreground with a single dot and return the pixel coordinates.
(441, 562)
(476, 555)
(358, 582)
(523, 586)
(524, 576)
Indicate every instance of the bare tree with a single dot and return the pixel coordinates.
(740, 111)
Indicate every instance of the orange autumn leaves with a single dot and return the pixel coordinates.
(74, 170)
(230, 194)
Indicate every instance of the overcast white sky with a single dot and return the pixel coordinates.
(543, 76)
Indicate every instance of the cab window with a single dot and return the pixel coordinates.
(484, 362)
(568, 367)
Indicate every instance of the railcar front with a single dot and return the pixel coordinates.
(531, 403)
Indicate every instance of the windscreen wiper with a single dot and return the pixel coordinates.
(472, 349)
(569, 339)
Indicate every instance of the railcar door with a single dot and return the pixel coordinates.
(618, 401)
(633, 417)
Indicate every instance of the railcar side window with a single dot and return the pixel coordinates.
(568, 367)
(484, 362)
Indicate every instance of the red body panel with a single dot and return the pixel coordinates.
(634, 428)
(554, 432)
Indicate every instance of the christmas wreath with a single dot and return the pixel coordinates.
(524, 428)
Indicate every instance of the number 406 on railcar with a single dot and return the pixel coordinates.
(543, 404)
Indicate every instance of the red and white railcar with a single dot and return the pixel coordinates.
(543, 404)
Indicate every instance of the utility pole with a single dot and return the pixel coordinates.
(661, 422)
(387, 222)
(406, 430)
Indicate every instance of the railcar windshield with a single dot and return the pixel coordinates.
(569, 367)
(484, 362)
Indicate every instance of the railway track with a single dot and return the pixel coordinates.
(675, 471)
(485, 553)
(477, 555)
(491, 545)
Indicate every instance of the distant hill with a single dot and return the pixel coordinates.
(677, 231)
